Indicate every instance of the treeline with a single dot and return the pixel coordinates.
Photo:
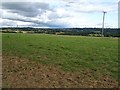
(108, 32)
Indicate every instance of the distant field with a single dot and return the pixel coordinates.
(71, 53)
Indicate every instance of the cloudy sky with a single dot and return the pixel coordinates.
(59, 13)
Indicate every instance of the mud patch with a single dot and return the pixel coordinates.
(22, 73)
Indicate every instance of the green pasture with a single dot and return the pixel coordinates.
(71, 53)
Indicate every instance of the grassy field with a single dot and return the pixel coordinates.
(71, 53)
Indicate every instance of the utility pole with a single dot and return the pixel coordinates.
(103, 23)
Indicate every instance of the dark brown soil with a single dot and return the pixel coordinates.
(22, 73)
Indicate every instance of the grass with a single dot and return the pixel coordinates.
(71, 53)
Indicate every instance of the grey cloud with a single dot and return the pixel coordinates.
(8, 23)
(33, 22)
(51, 25)
(36, 23)
(17, 19)
(57, 24)
(28, 9)
(24, 20)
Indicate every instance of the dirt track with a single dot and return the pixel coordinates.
(22, 73)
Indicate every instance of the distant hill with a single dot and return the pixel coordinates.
(115, 32)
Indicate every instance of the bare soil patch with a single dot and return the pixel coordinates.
(23, 73)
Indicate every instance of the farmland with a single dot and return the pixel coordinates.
(92, 58)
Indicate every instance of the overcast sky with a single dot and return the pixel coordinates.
(59, 13)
